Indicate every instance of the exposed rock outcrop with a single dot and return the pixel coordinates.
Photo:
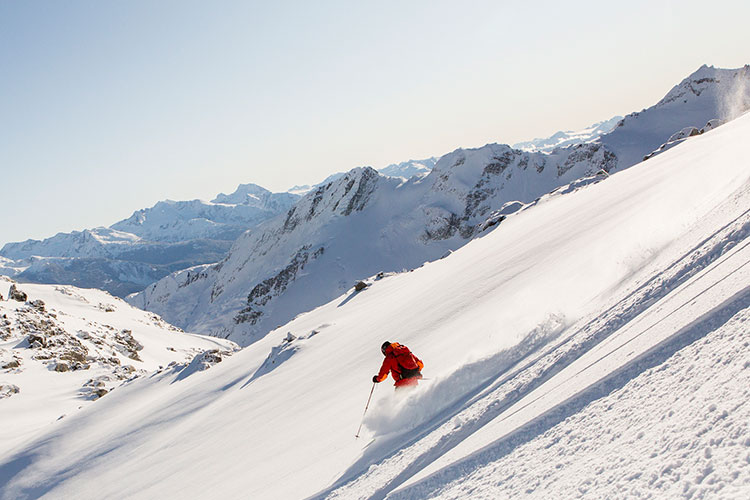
(15, 294)
(7, 390)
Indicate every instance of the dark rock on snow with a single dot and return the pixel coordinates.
(360, 285)
(17, 294)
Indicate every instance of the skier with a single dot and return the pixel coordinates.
(404, 366)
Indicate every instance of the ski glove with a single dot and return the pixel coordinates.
(375, 379)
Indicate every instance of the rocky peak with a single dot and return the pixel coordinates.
(343, 196)
(726, 83)
(470, 184)
(707, 94)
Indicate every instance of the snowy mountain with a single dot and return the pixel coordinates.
(62, 348)
(252, 195)
(354, 227)
(224, 218)
(97, 242)
(709, 93)
(153, 242)
(364, 223)
(10, 267)
(593, 345)
(403, 170)
(408, 169)
(567, 138)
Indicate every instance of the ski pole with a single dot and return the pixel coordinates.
(366, 407)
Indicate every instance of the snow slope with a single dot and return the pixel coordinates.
(361, 224)
(673, 423)
(609, 322)
(64, 347)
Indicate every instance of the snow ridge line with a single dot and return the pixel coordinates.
(652, 358)
(609, 353)
(514, 386)
(668, 346)
(671, 313)
(696, 260)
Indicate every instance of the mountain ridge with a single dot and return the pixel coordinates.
(153, 242)
(569, 137)
(400, 225)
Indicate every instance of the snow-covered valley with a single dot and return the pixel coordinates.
(593, 344)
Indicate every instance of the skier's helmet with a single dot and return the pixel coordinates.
(384, 347)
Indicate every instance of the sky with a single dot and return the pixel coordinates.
(109, 107)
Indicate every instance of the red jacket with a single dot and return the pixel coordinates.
(393, 354)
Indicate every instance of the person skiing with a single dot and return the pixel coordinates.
(404, 366)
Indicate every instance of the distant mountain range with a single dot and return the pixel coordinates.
(363, 223)
(569, 137)
(153, 242)
(173, 236)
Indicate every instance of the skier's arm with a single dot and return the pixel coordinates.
(383, 373)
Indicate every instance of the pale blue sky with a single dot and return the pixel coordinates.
(108, 107)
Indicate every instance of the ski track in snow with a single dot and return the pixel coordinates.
(694, 453)
(653, 358)
(384, 468)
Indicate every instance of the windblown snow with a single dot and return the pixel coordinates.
(592, 345)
